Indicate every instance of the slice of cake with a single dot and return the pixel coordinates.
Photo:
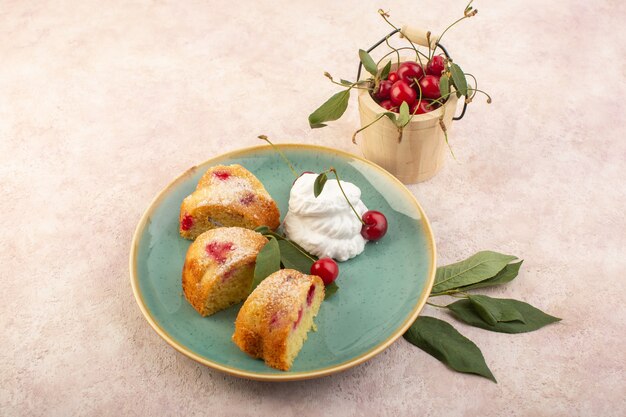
(276, 318)
(219, 268)
(227, 195)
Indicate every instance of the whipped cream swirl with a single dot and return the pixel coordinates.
(325, 226)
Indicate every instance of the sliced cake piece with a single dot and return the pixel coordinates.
(227, 195)
(219, 268)
(276, 318)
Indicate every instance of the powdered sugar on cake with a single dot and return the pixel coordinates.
(228, 247)
(225, 191)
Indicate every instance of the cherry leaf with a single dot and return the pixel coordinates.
(458, 77)
(318, 186)
(384, 73)
(439, 339)
(533, 318)
(331, 110)
(330, 289)
(368, 62)
(404, 115)
(267, 261)
(444, 86)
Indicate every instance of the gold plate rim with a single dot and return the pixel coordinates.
(134, 280)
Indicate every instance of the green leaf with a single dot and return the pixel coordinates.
(533, 317)
(494, 310)
(294, 257)
(368, 62)
(267, 262)
(345, 82)
(508, 274)
(320, 181)
(389, 114)
(331, 110)
(384, 73)
(476, 268)
(458, 78)
(444, 342)
(444, 85)
(404, 115)
(263, 230)
(330, 290)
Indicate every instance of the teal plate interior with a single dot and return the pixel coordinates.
(380, 291)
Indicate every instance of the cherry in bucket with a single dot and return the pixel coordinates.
(388, 105)
(384, 90)
(429, 84)
(402, 91)
(435, 66)
(410, 71)
(420, 107)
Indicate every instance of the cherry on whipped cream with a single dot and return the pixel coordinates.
(375, 225)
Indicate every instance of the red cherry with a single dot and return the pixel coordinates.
(326, 269)
(384, 88)
(388, 105)
(375, 225)
(435, 66)
(430, 86)
(420, 107)
(402, 91)
(393, 77)
(408, 71)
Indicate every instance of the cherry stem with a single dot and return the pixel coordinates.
(464, 295)
(278, 236)
(365, 127)
(442, 125)
(395, 50)
(354, 85)
(419, 99)
(435, 305)
(334, 171)
(431, 51)
(480, 91)
(451, 293)
(466, 15)
(398, 49)
(417, 53)
(303, 252)
(265, 138)
(475, 84)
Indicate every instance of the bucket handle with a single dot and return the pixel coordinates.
(417, 36)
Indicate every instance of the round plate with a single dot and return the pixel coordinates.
(380, 294)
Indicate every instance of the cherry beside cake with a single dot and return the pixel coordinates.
(219, 268)
(277, 316)
(227, 195)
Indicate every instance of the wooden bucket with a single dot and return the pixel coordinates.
(420, 154)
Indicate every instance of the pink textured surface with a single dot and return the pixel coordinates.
(101, 105)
